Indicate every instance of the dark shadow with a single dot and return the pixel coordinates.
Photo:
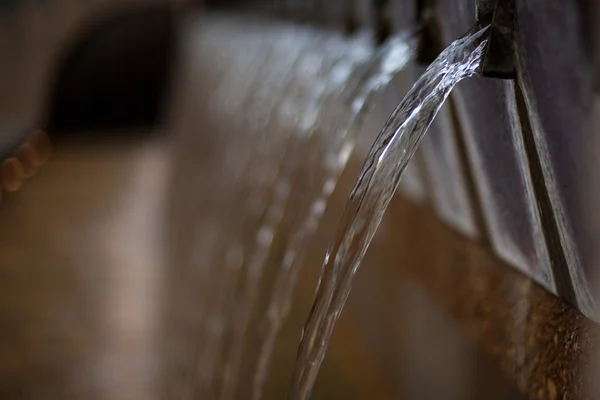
(115, 76)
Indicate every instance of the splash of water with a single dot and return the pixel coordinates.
(377, 182)
(310, 204)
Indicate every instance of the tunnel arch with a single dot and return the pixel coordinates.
(114, 75)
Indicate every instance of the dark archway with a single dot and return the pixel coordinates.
(115, 76)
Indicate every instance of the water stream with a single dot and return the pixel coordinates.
(377, 182)
(288, 104)
(323, 82)
(245, 203)
(252, 73)
(338, 129)
(226, 268)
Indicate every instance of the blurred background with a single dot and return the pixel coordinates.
(116, 144)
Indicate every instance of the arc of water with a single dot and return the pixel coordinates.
(379, 72)
(273, 213)
(378, 180)
(225, 267)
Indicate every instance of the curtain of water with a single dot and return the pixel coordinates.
(191, 281)
(238, 159)
(247, 195)
(338, 127)
(257, 154)
(373, 191)
(243, 63)
(322, 63)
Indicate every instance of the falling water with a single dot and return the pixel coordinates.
(310, 202)
(196, 280)
(242, 164)
(226, 266)
(255, 173)
(325, 82)
(378, 180)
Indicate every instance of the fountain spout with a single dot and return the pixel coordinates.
(499, 58)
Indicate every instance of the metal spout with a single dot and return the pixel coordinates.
(499, 58)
